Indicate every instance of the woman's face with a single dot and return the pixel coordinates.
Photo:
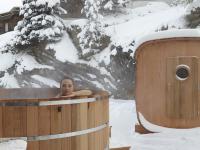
(67, 87)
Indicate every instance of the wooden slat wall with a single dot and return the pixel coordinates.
(44, 126)
(67, 126)
(32, 125)
(152, 88)
(14, 121)
(56, 126)
(1, 122)
(79, 122)
(182, 96)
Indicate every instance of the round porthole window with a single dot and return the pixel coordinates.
(182, 72)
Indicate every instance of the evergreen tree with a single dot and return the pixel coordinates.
(92, 32)
(180, 2)
(114, 4)
(193, 13)
(40, 22)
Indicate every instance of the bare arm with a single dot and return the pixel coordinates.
(83, 93)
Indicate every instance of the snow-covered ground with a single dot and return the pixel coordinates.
(123, 118)
(13, 145)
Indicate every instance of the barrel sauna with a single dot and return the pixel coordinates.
(49, 123)
(167, 80)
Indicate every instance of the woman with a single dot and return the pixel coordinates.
(67, 90)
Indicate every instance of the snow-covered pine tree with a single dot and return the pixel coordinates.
(193, 13)
(114, 4)
(180, 2)
(40, 22)
(92, 32)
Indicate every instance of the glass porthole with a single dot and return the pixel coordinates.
(182, 72)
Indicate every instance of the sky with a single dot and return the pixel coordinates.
(6, 5)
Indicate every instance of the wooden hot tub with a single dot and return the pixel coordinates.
(168, 79)
(49, 123)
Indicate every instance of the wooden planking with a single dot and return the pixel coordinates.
(66, 126)
(182, 96)
(1, 121)
(140, 129)
(14, 121)
(28, 93)
(79, 122)
(32, 125)
(151, 79)
(56, 126)
(91, 124)
(44, 126)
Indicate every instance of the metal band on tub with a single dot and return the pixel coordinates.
(53, 102)
(57, 136)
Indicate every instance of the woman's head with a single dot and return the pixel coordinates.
(67, 86)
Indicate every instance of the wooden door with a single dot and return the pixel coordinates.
(182, 87)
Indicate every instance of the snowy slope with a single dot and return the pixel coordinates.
(127, 28)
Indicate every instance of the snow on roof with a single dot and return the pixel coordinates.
(7, 5)
(176, 33)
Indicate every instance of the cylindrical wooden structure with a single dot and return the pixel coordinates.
(167, 81)
(54, 123)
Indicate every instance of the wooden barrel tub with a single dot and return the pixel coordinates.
(167, 82)
(49, 123)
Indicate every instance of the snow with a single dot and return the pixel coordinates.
(92, 76)
(7, 5)
(13, 145)
(155, 128)
(7, 38)
(194, 5)
(123, 118)
(9, 81)
(124, 34)
(46, 81)
(174, 33)
(65, 50)
(51, 3)
(128, 28)
(28, 62)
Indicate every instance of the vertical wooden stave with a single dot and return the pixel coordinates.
(1, 121)
(32, 125)
(44, 125)
(56, 126)
(14, 120)
(79, 122)
(66, 127)
(91, 124)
